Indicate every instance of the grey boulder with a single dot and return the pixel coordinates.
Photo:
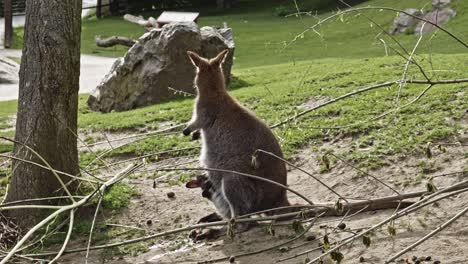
(157, 61)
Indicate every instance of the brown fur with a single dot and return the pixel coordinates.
(230, 135)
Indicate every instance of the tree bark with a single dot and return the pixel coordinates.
(47, 103)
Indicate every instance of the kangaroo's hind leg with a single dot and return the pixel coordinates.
(237, 197)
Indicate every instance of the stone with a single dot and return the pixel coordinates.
(440, 17)
(8, 71)
(404, 21)
(159, 60)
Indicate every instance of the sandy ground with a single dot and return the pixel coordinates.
(449, 246)
(92, 70)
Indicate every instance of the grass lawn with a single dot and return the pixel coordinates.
(276, 92)
(274, 82)
(260, 34)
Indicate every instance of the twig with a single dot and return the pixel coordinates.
(405, 71)
(91, 231)
(161, 131)
(59, 179)
(67, 238)
(391, 218)
(47, 168)
(320, 22)
(426, 237)
(365, 89)
(268, 248)
(72, 206)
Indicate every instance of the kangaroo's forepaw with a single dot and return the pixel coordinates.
(205, 234)
(196, 135)
(186, 131)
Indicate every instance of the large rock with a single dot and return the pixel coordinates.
(403, 22)
(438, 17)
(157, 61)
(8, 71)
(437, 4)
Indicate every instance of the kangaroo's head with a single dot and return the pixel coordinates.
(210, 77)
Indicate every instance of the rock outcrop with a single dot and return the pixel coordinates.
(408, 21)
(404, 21)
(8, 71)
(159, 60)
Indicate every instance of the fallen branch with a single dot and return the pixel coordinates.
(114, 40)
(139, 20)
(66, 208)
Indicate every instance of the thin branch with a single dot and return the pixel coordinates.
(67, 238)
(405, 71)
(59, 179)
(72, 206)
(426, 237)
(357, 9)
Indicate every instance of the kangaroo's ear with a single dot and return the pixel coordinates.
(195, 58)
(220, 57)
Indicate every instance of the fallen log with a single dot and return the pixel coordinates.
(114, 40)
(148, 24)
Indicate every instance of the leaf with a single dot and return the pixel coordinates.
(326, 242)
(284, 249)
(430, 186)
(297, 227)
(428, 150)
(270, 229)
(325, 162)
(231, 229)
(366, 240)
(391, 229)
(336, 256)
(442, 148)
(339, 206)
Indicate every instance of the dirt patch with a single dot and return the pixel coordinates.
(405, 175)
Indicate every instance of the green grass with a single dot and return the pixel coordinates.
(274, 92)
(260, 34)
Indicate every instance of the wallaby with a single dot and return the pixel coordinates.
(230, 136)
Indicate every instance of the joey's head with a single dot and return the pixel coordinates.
(210, 77)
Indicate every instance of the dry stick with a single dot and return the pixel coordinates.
(144, 156)
(391, 218)
(199, 225)
(365, 89)
(93, 223)
(44, 167)
(46, 163)
(380, 85)
(138, 135)
(366, 173)
(405, 71)
(426, 237)
(268, 248)
(67, 238)
(38, 200)
(219, 223)
(128, 143)
(72, 206)
(240, 174)
(320, 22)
(394, 40)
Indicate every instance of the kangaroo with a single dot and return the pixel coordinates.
(230, 135)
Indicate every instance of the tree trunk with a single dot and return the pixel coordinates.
(47, 103)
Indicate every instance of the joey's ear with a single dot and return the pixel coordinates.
(195, 58)
(220, 57)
